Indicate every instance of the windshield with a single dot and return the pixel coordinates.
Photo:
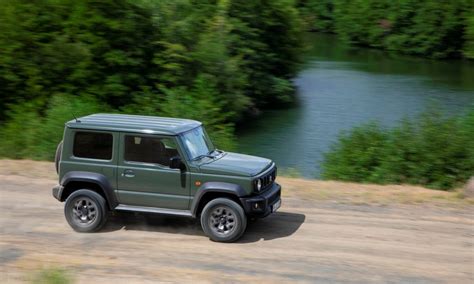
(197, 143)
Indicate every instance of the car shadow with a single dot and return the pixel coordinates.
(131, 221)
(275, 226)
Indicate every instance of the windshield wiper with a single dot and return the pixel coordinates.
(202, 156)
(208, 155)
(216, 150)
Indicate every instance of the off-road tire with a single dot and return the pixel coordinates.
(92, 214)
(233, 220)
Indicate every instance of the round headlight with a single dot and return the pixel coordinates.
(259, 184)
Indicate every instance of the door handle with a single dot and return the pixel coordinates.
(128, 173)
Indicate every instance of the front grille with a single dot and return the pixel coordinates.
(268, 179)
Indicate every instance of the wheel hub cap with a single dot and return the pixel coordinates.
(84, 211)
(222, 220)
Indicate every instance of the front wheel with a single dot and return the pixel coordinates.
(223, 220)
(85, 211)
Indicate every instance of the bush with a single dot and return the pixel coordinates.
(201, 103)
(317, 15)
(431, 28)
(207, 60)
(101, 48)
(469, 45)
(432, 150)
(19, 133)
(357, 156)
(29, 134)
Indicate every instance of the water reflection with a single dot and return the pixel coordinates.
(340, 87)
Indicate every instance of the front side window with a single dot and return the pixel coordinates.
(151, 150)
(93, 145)
(197, 143)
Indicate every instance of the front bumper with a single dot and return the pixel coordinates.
(57, 191)
(262, 205)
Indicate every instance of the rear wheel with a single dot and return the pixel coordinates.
(85, 211)
(223, 220)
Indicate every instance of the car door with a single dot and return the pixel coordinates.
(144, 176)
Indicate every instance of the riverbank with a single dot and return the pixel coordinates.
(340, 88)
(305, 189)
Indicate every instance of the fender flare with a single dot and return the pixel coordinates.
(95, 178)
(216, 187)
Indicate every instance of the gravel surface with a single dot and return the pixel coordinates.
(306, 241)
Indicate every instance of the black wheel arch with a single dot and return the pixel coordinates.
(212, 190)
(99, 183)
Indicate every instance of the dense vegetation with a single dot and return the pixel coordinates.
(219, 61)
(431, 150)
(432, 28)
(212, 60)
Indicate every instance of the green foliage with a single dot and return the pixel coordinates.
(201, 103)
(207, 59)
(469, 45)
(52, 276)
(18, 134)
(289, 172)
(357, 156)
(266, 35)
(73, 47)
(432, 28)
(317, 15)
(358, 22)
(29, 134)
(432, 150)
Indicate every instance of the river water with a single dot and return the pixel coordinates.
(340, 87)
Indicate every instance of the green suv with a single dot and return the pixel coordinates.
(159, 165)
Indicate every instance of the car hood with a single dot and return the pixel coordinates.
(235, 164)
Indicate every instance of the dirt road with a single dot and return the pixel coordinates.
(306, 241)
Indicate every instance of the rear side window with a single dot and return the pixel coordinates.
(93, 145)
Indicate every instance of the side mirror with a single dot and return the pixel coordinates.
(175, 163)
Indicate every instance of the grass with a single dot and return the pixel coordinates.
(358, 193)
(52, 276)
(289, 172)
